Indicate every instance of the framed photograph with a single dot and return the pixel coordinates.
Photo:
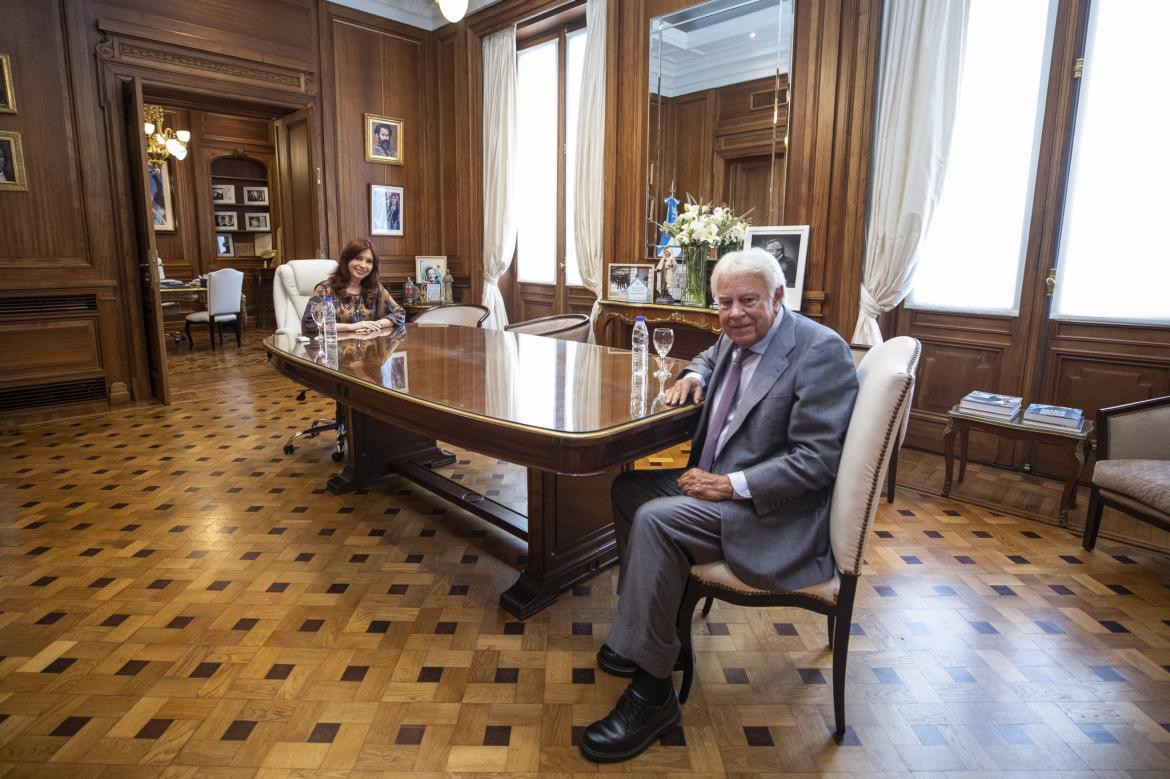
(162, 211)
(386, 210)
(383, 140)
(789, 245)
(12, 175)
(223, 193)
(224, 245)
(632, 283)
(394, 373)
(430, 270)
(257, 222)
(255, 196)
(226, 220)
(7, 95)
(245, 248)
(263, 243)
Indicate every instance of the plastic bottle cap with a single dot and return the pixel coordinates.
(639, 319)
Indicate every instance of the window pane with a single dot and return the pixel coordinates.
(536, 180)
(1113, 262)
(973, 252)
(575, 65)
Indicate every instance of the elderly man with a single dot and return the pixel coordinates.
(756, 492)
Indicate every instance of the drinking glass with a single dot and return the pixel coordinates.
(318, 318)
(663, 340)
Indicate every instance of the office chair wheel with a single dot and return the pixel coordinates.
(301, 395)
(289, 448)
(337, 456)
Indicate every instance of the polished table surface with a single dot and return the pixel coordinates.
(573, 413)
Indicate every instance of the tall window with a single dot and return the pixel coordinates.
(548, 91)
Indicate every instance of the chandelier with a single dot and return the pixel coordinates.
(453, 10)
(162, 141)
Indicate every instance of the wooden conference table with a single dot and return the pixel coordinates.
(570, 412)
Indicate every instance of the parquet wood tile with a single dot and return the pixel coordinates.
(180, 599)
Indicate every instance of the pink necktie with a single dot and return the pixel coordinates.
(719, 418)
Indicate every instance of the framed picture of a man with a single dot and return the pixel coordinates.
(386, 210)
(383, 140)
(162, 212)
(430, 270)
(789, 245)
(7, 95)
(12, 175)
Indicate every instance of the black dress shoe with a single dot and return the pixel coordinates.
(632, 726)
(617, 665)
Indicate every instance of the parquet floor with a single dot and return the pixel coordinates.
(180, 599)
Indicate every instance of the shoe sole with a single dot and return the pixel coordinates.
(630, 754)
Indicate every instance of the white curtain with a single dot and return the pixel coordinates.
(922, 58)
(499, 158)
(590, 174)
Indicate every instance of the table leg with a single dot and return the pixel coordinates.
(964, 439)
(371, 446)
(949, 454)
(1068, 499)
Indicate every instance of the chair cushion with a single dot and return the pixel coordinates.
(1146, 481)
(1134, 506)
(719, 574)
(202, 316)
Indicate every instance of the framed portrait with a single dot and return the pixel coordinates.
(257, 222)
(244, 247)
(255, 196)
(12, 175)
(632, 283)
(226, 220)
(386, 210)
(223, 193)
(263, 242)
(7, 94)
(789, 245)
(394, 374)
(383, 140)
(162, 211)
(224, 245)
(430, 270)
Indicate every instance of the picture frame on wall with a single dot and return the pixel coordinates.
(161, 207)
(387, 205)
(255, 196)
(630, 282)
(383, 139)
(226, 220)
(7, 93)
(788, 244)
(12, 174)
(223, 193)
(244, 248)
(430, 270)
(225, 245)
(257, 222)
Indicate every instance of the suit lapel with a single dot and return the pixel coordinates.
(722, 361)
(773, 363)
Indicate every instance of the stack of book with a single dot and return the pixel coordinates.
(1043, 415)
(990, 404)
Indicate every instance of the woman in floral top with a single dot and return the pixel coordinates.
(362, 304)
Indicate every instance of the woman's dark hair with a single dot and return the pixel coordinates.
(339, 279)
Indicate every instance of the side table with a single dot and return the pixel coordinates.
(1077, 443)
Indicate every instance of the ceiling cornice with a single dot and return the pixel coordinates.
(423, 14)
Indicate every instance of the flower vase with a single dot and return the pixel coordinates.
(695, 290)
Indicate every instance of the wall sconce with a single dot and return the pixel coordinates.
(453, 10)
(162, 142)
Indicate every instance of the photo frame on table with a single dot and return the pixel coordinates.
(383, 139)
(394, 375)
(244, 247)
(263, 243)
(226, 220)
(223, 193)
(387, 210)
(162, 210)
(255, 196)
(257, 222)
(225, 245)
(7, 93)
(621, 277)
(12, 174)
(430, 270)
(788, 244)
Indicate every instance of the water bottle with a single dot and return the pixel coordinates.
(641, 341)
(329, 322)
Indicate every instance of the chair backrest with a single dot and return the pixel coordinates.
(858, 352)
(566, 327)
(292, 286)
(886, 383)
(466, 314)
(223, 291)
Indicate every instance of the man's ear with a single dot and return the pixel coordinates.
(778, 300)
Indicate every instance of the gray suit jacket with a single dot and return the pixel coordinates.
(786, 437)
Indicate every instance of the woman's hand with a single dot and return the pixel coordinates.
(366, 327)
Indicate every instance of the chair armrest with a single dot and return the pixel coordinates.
(286, 331)
(1135, 431)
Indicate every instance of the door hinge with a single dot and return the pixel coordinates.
(1050, 282)
(1078, 67)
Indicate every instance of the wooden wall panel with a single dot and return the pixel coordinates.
(45, 351)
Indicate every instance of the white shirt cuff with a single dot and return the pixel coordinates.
(702, 379)
(739, 485)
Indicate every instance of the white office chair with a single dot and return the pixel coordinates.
(292, 286)
(223, 306)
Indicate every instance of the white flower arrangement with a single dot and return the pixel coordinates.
(702, 224)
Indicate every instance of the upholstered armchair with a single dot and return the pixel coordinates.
(1132, 473)
(566, 327)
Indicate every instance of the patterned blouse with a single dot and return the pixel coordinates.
(352, 309)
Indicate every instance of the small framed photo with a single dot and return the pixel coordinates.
(224, 245)
(631, 283)
(226, 220)
(263, 243)
(245, 248)
(162, 211)
(383, 140)
(12, 175)
(223, 193)
(255, 196)
(257, 222)
(430, 270)
(789, 245)
(386, 204)
(394, 374)
(7, 94)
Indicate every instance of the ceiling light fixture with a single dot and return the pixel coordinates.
(162, 142)
(453, 10)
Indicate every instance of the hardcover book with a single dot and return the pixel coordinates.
(990, 402)
(1059, 416)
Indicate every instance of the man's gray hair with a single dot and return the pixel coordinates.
(755, 261)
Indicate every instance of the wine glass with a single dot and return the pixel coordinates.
(318, 318)
(663, 340)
